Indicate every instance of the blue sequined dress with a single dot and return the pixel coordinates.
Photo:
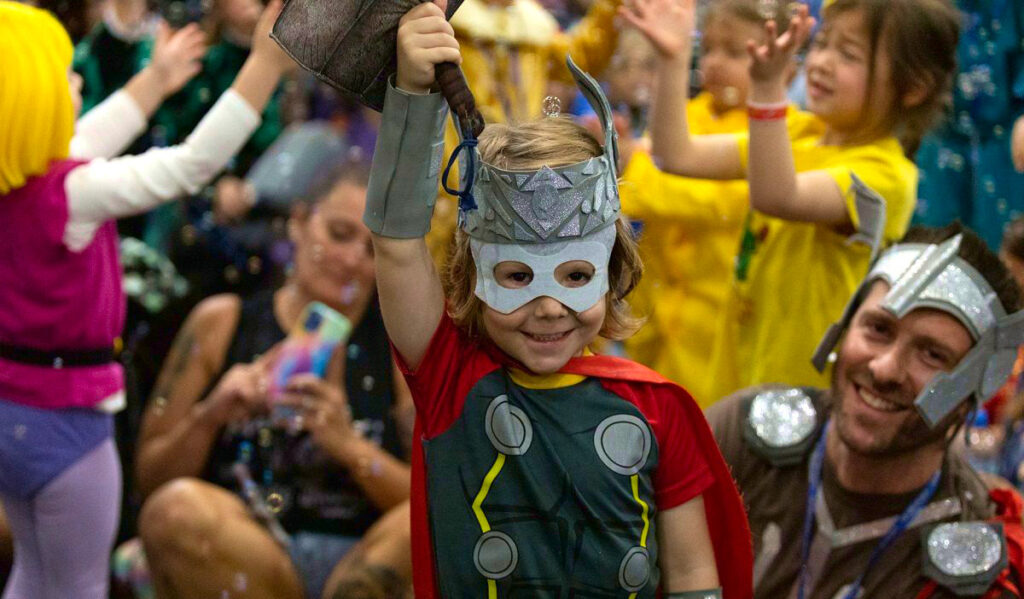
(966, 163)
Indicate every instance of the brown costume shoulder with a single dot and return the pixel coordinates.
(775, 498)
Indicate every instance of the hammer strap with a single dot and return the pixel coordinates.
(406, 163)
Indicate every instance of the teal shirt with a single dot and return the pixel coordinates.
(966, 168)
(180, 113)
(106, 63)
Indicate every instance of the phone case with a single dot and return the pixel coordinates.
(309, 345)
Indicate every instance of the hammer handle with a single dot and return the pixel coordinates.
(456, 91)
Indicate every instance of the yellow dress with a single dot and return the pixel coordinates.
(509, 55)
(794, 279)
(689, 234)
(688, 241)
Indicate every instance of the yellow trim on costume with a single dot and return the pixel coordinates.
(544, 381)
(634, 482)
(481, 517)
(484, 489)
(557, 380)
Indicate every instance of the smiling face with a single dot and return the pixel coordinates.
(839, 71)
(883, 364)
(333, 250)
(544, 334)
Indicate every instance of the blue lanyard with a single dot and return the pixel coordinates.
(901, 524)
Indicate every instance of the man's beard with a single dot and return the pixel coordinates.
(912, 434)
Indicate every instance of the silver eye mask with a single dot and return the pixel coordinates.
(544, 260)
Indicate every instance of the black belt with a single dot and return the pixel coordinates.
(59, 358)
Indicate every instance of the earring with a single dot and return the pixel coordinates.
(732, 96)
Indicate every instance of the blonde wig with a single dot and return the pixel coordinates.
(36, 114)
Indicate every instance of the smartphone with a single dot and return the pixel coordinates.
(307, 349)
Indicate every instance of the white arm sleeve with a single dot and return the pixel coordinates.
(109, 128)
(105, 189)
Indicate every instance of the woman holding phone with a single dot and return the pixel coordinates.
(325, 481)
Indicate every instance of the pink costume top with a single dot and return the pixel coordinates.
(60, 276)
(54, 298)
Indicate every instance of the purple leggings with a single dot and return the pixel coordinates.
(63, 533)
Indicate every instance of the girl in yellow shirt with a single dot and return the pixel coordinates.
(813, 230)
(690, 228)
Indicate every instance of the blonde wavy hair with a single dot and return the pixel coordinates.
(528, 146)
(36, 114)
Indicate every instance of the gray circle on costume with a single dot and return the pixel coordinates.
(964, 548)
(495, 555)
(508, 427)
(782, 417)
(635, 569)
(623, 443)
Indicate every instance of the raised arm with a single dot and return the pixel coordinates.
(109, 128)
(669, 24)
(776, 188)
(102, 190)
(403, 183)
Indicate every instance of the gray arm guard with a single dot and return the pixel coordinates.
(715, 593)
(406, 163)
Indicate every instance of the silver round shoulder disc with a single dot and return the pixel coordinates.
(623, 443)
(782, 417)
(964, 548)
(508, 427)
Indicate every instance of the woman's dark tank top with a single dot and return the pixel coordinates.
(306, 489)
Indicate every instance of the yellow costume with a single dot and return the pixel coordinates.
(690, 232)
(509, 55)
(793, 279)
(688, 241)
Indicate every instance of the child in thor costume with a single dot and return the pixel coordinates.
(538, 483)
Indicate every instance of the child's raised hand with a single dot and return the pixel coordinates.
(425, 39)
(177, 55)
(668, 24)
(266, 49)
(773, 58)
